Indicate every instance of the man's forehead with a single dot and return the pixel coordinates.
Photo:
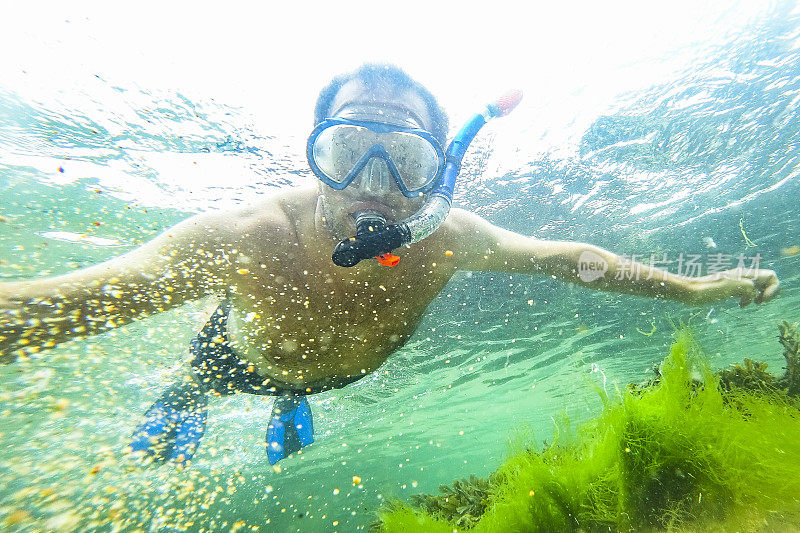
(354, 93)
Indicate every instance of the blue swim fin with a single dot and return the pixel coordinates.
(290, 427)
(173, 426)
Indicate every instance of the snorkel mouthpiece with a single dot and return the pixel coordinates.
(375, 239)
(369, 220)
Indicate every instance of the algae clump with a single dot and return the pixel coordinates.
(684, 452)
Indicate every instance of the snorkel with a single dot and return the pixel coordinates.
(375, 239)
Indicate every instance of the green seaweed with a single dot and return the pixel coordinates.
(753, 376)
(692, 450)
(463, 503)
(790, 339)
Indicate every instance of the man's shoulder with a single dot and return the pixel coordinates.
(278, 210)
(471, 238)
(460, 222)
(457, 214)
(460, 231)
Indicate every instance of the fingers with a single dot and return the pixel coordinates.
(748, 296)
(763, 288)
(771, 292)
(767, 286)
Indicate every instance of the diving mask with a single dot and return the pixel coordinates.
(339, 150)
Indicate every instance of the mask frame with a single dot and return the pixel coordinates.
(375, 151)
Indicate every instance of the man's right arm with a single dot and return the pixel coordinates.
(487, 247)
(184, 263)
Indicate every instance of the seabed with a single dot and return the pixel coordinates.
(689, 450)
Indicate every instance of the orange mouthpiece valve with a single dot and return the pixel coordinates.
(388, 260)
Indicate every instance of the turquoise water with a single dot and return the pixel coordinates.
(708, 154)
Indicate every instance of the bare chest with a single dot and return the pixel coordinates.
(302, 327)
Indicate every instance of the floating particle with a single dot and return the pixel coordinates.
(75, 237)
(61, 169)
(356, 480)
(448, 253)
(61, 404)
(335, 492)
(66, 521)
(16, 517)
(791, 250)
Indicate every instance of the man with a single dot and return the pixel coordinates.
(290, 322)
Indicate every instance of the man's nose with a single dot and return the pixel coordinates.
(375, 177)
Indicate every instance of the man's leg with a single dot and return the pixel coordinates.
(175, 423)
(290, 427)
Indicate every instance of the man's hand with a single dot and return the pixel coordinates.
(748, 285)
(759, 286)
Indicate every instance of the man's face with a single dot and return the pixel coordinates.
(373, 188)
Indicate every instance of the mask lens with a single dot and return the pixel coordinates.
(416, 159)
(337, 150)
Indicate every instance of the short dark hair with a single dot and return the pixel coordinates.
(380, 76)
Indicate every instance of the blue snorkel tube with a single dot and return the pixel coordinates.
(375, 239)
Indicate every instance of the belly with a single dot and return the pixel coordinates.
(308, 350)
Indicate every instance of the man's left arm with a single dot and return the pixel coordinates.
(484, 246)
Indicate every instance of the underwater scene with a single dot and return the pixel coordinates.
(520, 402)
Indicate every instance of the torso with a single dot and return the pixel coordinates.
(302, 320)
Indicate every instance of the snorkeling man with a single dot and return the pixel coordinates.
(290, 322)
